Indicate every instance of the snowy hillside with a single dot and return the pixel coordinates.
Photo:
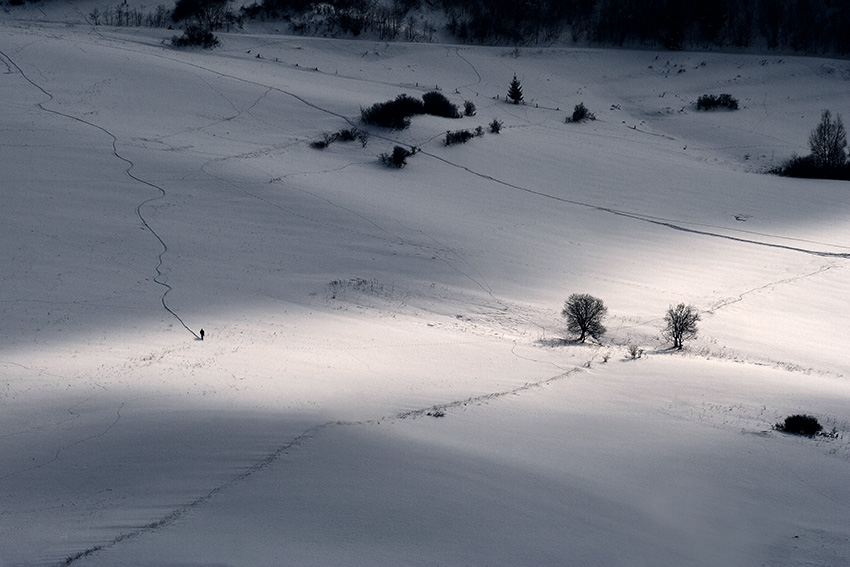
(150, 192)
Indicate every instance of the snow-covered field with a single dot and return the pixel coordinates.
(149, 192)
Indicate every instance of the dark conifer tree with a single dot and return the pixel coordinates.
(515, 91)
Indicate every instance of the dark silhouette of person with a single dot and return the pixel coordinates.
(202, 334)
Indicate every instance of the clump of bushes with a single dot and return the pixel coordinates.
(398, 157)
(463, 136)
(800, 424)
(807, 167)
(469, 108)
(436, 104)
(344, 135)
(711, 102)
(393, 114)
(458, 137)
(195, 36)
(580, 114)
(496, 126)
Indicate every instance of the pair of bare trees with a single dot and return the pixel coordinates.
(584, 314)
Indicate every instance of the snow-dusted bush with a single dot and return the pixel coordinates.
(800, 424)
(398, 157)
(195, 36)
(710, 102)
(469, 108)
(209, 14)
(496, 126)
(436, 104)
(580, 114)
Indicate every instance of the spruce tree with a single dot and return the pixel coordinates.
(515, 91)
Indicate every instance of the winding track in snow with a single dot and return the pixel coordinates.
(160, 278)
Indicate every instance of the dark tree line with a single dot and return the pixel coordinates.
(813, 26)
(802, 25)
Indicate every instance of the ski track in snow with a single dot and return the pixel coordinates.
(297, 442)
(668, 223)
(160, 278)
(771, 285)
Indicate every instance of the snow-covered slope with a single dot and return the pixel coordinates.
(150, 192)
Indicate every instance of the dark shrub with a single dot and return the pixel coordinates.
(344, 135)
(458, 137)
(394, 114)
(348, 134)
(800, 424)
(195, 35)
(496, 126)
(468, 108)
(711, 102)
(408, 105)
(437, 104)
(581, 113)
(398, 158)
(808, 167)
(320, 144)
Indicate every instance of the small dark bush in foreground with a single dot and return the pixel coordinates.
(436, 104)
(581, 113)
(195, 36)
(398, 157)
(800, 424)
(496, 126)
(710, 102)
(344, 135)
(394, 114)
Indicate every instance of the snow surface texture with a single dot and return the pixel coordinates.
(150, 192)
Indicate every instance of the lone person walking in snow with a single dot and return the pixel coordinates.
(202, 334)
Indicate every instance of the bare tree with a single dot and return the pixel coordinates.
(681, 323)
(584, 315)
(828, 141)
